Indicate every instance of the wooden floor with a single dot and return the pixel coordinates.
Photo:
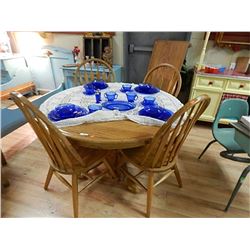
(207, 185)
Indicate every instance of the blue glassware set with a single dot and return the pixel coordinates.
(151, 108)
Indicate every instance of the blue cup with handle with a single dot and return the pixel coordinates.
(131, 96)
(111, 96)
(94, 107)
(126, 87)
(149, 100)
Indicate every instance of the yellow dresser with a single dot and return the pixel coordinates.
(218, 87)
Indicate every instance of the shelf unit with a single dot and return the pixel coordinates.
(94, 45)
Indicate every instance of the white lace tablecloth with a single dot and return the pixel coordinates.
(75, 95)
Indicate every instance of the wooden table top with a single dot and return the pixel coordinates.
(110, 135)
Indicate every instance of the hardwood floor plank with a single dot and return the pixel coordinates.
(207, 185)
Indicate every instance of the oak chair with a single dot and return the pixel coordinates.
(93, 69)
(64, 159)
(166, 77)
(160, 155)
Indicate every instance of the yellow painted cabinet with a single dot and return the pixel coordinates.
(215, 87)
(210, 112)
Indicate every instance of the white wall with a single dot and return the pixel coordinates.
(66, 41)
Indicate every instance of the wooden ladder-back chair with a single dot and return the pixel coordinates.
(93, 69)
(160, 155)
(166, 77)
(63, 157)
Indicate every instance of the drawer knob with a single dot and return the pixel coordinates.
(241, 86)
(210, 83)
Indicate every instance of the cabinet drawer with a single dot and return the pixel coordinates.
(238, 86)
(213, 83)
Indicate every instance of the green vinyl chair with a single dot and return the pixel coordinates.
(230, 109)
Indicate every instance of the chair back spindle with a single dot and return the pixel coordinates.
(167, 142)
(93, 69)
(166, 77)
(61, 153)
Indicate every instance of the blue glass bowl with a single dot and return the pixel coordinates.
(65, 111)
(94, 107)
(88, 89)
(156, 112)
(146, 88)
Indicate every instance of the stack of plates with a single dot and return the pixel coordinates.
(146, 88)
(156, 112)
(65, 111)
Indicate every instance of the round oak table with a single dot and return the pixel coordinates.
(110, 135)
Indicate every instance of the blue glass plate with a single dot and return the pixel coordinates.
(146, 89)
(99, 84)
(119, 105)
(65, 111)
(156, 112)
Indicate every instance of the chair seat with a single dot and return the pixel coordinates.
(90, 158)
(225, 137)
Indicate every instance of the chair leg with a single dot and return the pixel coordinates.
(205, 149)
(150, 193)
(75, 194)
(238, 185)
(230, 155)
(49, 176)
(177, 175)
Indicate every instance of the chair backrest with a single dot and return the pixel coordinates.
(93, 68)
(61, 153)
(167, 142)
(232, 108)
(166, 77)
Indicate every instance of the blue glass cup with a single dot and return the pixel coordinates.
(89, 89)
(131, 96)
(111, 96)
(149, 100)
(94, 107)
(126, 87)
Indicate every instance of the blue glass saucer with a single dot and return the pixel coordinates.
(156, 112)
(146, 88)
(119, 105)
(146, 104)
